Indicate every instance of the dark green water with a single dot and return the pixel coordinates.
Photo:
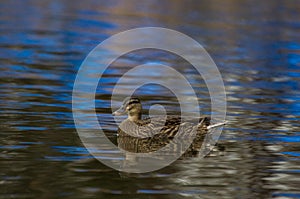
(256, 46)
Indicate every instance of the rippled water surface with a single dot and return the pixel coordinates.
(256, 46)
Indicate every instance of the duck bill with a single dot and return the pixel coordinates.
(120, 111)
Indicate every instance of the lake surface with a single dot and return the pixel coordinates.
(256, 46)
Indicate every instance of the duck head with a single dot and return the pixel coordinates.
(132, 106)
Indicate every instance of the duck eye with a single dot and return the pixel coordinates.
(130, 103)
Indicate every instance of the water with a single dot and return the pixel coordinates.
(256, 46)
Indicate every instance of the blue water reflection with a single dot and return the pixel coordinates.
(255, 45)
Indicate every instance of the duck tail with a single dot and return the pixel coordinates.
(216, 125)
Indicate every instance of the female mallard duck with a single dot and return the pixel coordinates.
(135, 126)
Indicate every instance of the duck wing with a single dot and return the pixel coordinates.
(161, 127)
(170, 126)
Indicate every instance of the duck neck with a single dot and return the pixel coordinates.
(135, 117)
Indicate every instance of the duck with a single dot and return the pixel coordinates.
(165, 127)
